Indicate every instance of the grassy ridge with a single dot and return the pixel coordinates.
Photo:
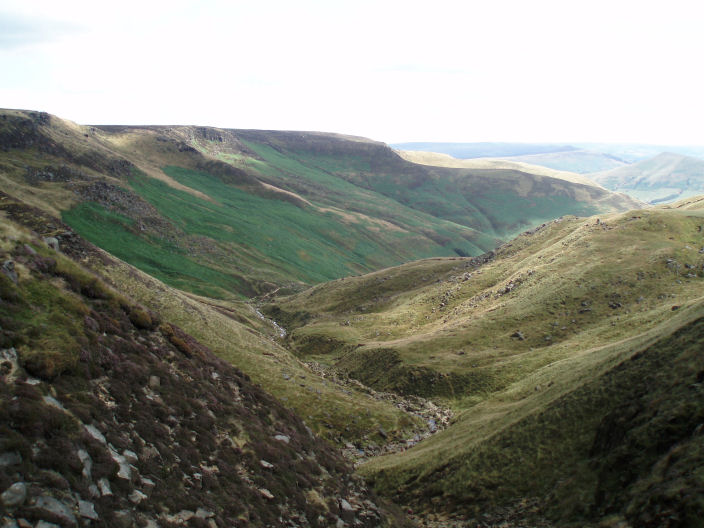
(523, 347)
(489, 201)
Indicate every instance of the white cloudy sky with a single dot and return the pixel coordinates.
(489, 70)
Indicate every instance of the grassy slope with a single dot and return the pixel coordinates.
(498, 202)
(582, 293)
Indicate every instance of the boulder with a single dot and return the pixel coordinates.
(15, 495)
(11, 458)
(87, 509)
(8, 268)
(54, 510)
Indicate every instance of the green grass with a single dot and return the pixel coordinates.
(492, 202)
(168, 262)
(242, 238)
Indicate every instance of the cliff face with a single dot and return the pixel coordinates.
(110, 416)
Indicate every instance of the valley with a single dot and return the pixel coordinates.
(322, 331)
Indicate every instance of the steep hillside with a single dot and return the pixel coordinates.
(666, 177)
(532, 347)
(236, 333)
(231, 213)
(113, 416)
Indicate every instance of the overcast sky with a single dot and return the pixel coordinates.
(489, 70)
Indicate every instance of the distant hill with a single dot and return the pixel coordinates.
(664, 178)
(579, 161)
(582, 158)
(484, 149)
(445, 160)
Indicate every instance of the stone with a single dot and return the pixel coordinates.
(347, 511)
(154, 382)
(340, 523)
(24, 523)
(11, 458)
(383, 433)
(282, 438)
(202, 513)
(184, 516)
(50, 400)
(149, 452)
(266, 493)
(87, 462)
(52, 242)
(54, 509)
(130, 456)
(266, 465)
(15, 495)
(87, 509)
(93, 431)
(104, 486)
(6, 522)
(8, 268)
(124, 518)
(518, 335)
(147, 482)
(137, 496)
(45, 524)
(125, 471)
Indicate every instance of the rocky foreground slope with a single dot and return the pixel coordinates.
(111, 416)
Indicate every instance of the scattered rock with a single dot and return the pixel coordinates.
(266, 493)
(54, 509)
(87, 462)
(104, 486)
(11, 458)
(518, 335)
(154, 382)
(15, 495)
(282, 438)
(137, 496)
(87, 509)
(8, 268)
(52, 242)
(124, 518)
(93, 431)
(266, 465)
(45, 524)
(347, 511)
(204, 514)
(130, 456)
